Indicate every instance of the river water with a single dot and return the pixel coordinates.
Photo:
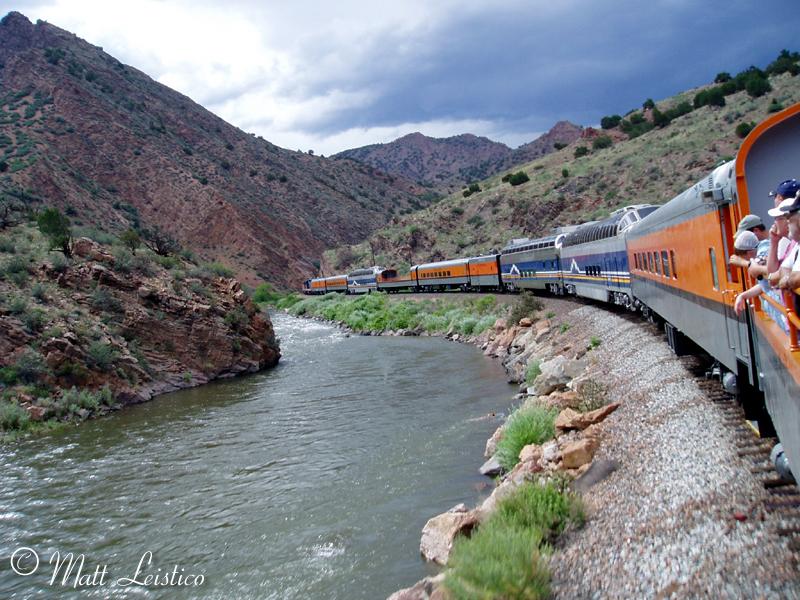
(309, 481)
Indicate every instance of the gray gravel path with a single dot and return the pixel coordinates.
(662, 525)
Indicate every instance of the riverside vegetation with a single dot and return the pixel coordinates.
(91, 327)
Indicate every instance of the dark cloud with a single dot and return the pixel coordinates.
(524, 68)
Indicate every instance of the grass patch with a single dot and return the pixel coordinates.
(534, 425)
(533, 371)
(506, 556)
(527, 305)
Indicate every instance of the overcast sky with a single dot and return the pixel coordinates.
(327, 76)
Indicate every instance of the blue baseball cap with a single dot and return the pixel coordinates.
(787, 189)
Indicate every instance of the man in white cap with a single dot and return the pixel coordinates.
(744, 247)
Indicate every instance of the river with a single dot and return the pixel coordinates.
(308, 481)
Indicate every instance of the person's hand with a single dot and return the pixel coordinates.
(784, 282)
(774, 236)
(774, 278)
(738, 261)
(739, 305)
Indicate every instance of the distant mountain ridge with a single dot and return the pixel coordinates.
(103, 141)
(446, 164)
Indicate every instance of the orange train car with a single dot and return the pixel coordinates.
(679, 269)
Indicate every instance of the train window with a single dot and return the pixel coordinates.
(664, 263)
(650, 262)
(656, 262)
(712, 255)
(672, 259)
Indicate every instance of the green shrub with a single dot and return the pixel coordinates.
(774, 106)
(518, 178)
(34, 320)
(104, 300)
(265, 294)
(527, 305)
(744, 128)
(219, 269)
(581, 151)
(602, 141)
(55, 226)
(498, 562)
(237, 319)
(13, 417)
(39, 291)
(594, 342)
(534, 425)
(17, 305)
(610, 122)
(102, 355)
(30, 366)
(540, 507)
(143, 265)
(457, 211)
(533, 371)
(8, 375)
(7, 246)
(565, 173)
(592, 396)
(60, 263)
(722, 77)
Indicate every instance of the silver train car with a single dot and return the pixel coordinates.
(363, 281)
(594, 260)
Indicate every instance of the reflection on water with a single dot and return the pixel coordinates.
(312, 480)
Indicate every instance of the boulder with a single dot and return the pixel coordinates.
(500, 325)
(525, 322)
(555, 374)
(491, 467)
(440, 532)
(550, 452)
(491, 443)
(576, 454)
(568, 419)
(531, 452)
(425, 589)
(36, 413)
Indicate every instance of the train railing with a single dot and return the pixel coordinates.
(787, 308)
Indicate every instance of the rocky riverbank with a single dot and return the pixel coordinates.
(673, 512)
(106, 328)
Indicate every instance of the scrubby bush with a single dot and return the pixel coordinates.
(13, 417)
(30, 366)
(237, 319)
(102, 355)
(219, 269)
(744, 128)
(506, 556)
(581, 151)
(534, 425)
(518, 178)
(34, 320)
(602, 141)
(104, 300)
(526, 305)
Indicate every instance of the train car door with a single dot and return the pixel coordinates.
(736, 327)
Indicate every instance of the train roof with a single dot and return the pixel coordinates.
(442, 263)
(519, 244)
(366, 271)
(610, 226)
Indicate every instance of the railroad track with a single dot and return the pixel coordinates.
(780, 504)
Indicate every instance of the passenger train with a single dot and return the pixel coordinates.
(669, 262)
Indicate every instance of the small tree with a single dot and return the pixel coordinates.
(610, 122)
(722, 77)
(565, 172)
(757, 86)
(54, 225)
(649, 104)
(131, 240)
(160, 242)
(581, 151)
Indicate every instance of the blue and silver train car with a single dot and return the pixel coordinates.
(363, 281)
(533, 264)
(594, 260)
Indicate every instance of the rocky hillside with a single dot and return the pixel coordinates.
(632, 162)
(447, 164)
(113, 148)
(118, 327)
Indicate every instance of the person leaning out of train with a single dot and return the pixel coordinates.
(781, 245)
(790, 268)
(744, 248)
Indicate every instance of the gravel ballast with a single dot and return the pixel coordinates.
(662, 524)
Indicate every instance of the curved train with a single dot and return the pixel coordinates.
(671, 263)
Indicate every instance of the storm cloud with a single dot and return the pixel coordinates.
(332, 76)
